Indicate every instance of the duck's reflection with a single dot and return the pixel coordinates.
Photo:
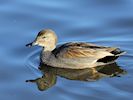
(90, 74)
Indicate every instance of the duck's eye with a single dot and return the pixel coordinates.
(44, 37)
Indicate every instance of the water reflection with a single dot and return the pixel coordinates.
(50, 74)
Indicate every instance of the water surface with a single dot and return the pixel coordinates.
(105, 22)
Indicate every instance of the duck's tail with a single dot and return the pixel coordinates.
(118, 52)
(108, 59)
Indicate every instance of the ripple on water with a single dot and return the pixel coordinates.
(32, 61)
(102, 90)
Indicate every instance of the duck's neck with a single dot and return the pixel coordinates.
(45, 55)
(49, 48)
(46, 52)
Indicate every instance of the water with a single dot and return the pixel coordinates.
(105, 22)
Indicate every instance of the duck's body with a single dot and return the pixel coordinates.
(75, 55)
(80, 55)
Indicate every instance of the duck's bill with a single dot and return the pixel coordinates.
(31, 44)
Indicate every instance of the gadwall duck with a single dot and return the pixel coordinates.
(73, 55)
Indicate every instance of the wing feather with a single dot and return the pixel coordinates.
(83, 50)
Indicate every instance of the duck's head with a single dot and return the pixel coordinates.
(45, 38)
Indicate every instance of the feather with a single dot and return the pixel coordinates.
(82, 50)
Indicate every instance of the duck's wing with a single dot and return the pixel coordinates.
(84, 50)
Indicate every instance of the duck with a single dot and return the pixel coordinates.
(73, 55)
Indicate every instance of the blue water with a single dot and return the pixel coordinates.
(105, 22)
